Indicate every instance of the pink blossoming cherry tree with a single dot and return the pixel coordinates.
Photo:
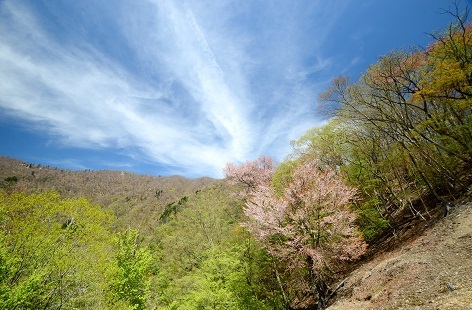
(310, 227)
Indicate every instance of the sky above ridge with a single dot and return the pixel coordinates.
(183, 87)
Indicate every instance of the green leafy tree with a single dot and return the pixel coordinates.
(207, 221)
(208, 261)
(283, 176)
(221, 283)
(328, 143)
(410, 118)
(53, 252)
(131, 271)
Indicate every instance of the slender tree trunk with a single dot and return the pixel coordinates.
(279, 282)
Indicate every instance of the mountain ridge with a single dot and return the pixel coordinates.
(135, 199)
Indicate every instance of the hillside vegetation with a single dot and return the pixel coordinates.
(136, 200)
(144, 242)
(353, 218)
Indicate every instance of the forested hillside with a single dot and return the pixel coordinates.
(394, 158)
(136, 200)
(143, 241)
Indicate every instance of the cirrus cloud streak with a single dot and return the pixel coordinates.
(184, 85)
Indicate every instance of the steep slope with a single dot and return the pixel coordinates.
(432, 271)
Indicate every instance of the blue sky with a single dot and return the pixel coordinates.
(183, 87)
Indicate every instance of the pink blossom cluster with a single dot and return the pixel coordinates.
(311, 223)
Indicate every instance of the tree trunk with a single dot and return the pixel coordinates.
(280, 284)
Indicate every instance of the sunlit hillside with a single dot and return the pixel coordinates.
(136, 200)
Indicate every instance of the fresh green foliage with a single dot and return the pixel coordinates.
(53, 252)
(206, 258)
(131, 270)
(283, 176)
(221, 283)
(402, 134)
(370, 221)
(329, 144)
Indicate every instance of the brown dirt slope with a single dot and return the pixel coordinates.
(431, 271)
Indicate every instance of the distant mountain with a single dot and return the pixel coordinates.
(136, 200)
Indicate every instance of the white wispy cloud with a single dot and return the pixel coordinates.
(209, 83)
